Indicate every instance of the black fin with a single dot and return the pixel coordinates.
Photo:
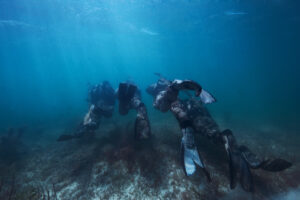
(246, 179)
(65, 138)
(253, 161)
(125, 94)
(276, 165)
(207, 174)
(126, 91)
(182, 158)
(122, 91)
(232, 172)
(131, 91)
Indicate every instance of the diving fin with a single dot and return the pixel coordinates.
(190, 155)
(241, 159)
(232, 172)
(190, 158)
(276, 165)
(206, 97)
(63, 138)
(125, 93)
(80, 132)
(254, 162)
(246, 179)
(238, 165)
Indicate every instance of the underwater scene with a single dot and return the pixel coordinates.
(149, 99)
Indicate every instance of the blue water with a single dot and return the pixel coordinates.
(244, 52)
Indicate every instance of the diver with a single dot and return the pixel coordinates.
(102, 98)
(193, 118)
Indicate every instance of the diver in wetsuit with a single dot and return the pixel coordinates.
(194, 118)
(102, 98)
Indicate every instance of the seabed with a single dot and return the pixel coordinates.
(111, 165)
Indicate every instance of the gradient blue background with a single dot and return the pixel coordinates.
(247, 53)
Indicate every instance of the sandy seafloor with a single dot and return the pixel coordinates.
(111, 165)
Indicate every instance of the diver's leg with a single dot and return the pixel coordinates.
(142, 128)
(189, 151)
